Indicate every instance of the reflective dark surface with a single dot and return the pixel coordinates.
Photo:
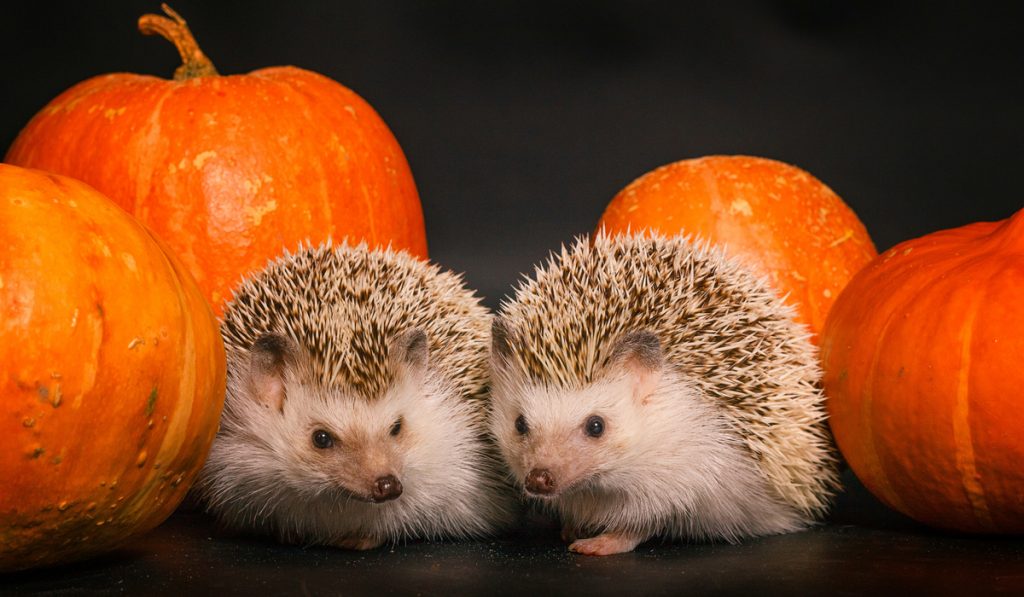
(863, 549)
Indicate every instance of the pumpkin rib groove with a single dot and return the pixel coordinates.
(867, 418)
(316, 161)
(962, 437)
(188, 377)
(99, 331)
(148, 137)
(325, 192)
(368, 213)
(96, 323)
(896, 304)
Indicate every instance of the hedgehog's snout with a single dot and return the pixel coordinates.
(540, 482)
(386, 488)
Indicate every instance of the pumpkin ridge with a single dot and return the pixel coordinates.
(176, 424)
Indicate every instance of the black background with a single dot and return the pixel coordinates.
(521, 119)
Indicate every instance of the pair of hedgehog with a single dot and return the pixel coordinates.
(637, 387)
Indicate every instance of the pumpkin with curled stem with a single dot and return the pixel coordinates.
(112, 375)
(922, 356)
(777, 218)
(231, 170)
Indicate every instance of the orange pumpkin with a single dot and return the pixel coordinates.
(776, 217)
(112, 378)
(922, 355)
(231, 170)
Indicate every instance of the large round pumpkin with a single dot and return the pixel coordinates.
(776, 217)
(231, 170)
(112, 374)
(923, 367)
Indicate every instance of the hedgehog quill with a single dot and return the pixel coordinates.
(356, 404)
(649, 387)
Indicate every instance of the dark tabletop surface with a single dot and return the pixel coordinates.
(862, 549)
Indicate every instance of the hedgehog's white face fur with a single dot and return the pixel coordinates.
(306, 455)
(611, 412)
(328, 466)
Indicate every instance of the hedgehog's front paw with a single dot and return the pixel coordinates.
(605, 545)
(359, 543)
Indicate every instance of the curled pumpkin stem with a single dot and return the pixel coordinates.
(194, 63)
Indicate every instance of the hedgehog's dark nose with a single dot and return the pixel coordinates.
(386, 488)
(540, 481)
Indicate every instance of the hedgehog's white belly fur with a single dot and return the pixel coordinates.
(681, 484)
(685, 475)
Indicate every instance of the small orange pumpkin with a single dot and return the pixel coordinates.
(231, 170)
(776, 217)
(922, 355)
(112, 375)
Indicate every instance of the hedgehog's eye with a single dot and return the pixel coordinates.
(594, 426)
(521, 427)
(397, 427)
(322, 439)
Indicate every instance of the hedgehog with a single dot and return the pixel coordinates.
(356, 404)
(645, 386)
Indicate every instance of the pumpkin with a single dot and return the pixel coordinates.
(777, 218)
(231, 170)
(922, 356)
(112, 379)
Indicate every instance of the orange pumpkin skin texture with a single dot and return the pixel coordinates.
(777, 218)
(922, 357)
(231, 170)
(112, 379)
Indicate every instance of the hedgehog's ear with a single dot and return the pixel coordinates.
(409, 351)
(501, 342)
(268, 359)
(638, 354)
